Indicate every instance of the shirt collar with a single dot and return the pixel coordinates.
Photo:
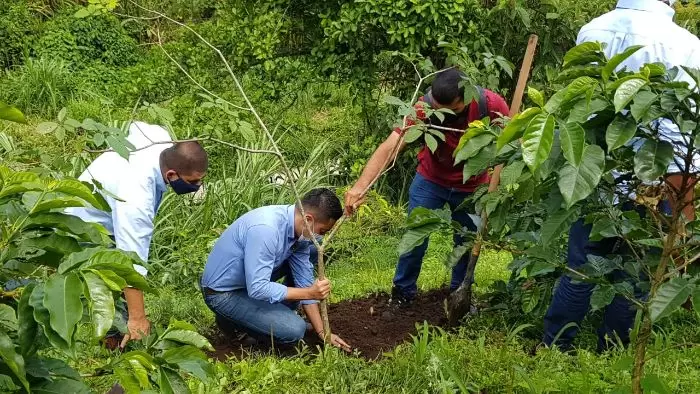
(290, 222)
(654, 6)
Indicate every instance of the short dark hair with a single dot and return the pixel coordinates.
(448, 86)
(324, 203)
(185, 158)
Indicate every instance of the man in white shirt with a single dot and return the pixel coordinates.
(141, 182)
(633, 22)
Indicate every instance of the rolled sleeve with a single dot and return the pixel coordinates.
(258, 262)
(302, 270)
(133, 220)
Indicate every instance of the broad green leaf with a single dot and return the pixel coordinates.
(479, 163)
(74, 187)
(62, 299)
(28, 329)
(140, 373)
(579, 71)
(472, 147)
(431, 142)
(111, 279)
(101, 303)
(42, 316)
(191, 360)
(652, 159)
(573, 142)
(602, 296)
(74, 260)
(246, 130)
(516, 127)
(171, 382)
(12, 360)
(11, 113)
(118, 146)
(416, 236)
(603, 227)
(188, 337)
(537, 140)
(90, 232)
(536, 96)
(118, 262)
(554, 102)
(577, 182)
(585, 108)
(653, 384)
(421, 216)
(7, 385)
(391, 100)
(456, 255)
(53, 243)
(617, 60)
(582, 53)
(557, 224)
(626, 92)
(578, 87)
(511, 173)
(127, 380)
(625, 363)
(670, 296)
(641, 104)
(413, 134)
(57, 203)
(8, 318)
(620, 131)
(61, 386)
(43, 367)
(531, 298)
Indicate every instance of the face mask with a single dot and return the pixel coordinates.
(180, 186)
(303, 237)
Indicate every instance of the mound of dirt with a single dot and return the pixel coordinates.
(369, 325)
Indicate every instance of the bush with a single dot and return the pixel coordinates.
(41, 86)
(16, 25)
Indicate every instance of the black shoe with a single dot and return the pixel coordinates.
(399, 298)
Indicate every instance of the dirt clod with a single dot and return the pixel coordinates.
(388, 326)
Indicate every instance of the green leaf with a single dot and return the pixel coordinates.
(602, 296)
(8, 318)
(603, 227)
(74, 260)
(188, 337)
(479, 163)
(42, 316)
(75, 188)
(61, 386)
(516, 127)
(82, 13)
(557, 224)
(670, 296)
(531, 298)
(171, 382)
(582, 53)
(431, 142)
(642, 103)
(626, 92)
(11, 113)
(537, 140)
(578, 87)
(140, 373)
(511, 173)
(577, 182)
(62, 299)
(652, 159)
(246, 130)
(472, 147)
(121, 264)
(47, 127)
(413, 134)
(90, 232)
(101, 303)
(617, 60)
(28, 329)
(111, 279)
(391, 100)
(191, 360)
(696, 300)
(620, 131)
(7, 385)
(555, 101)
(14, 361)
(653, 384)
(573, 142)
(416, 236)
(127, 380)
(536, 96)
(456, 254)
(55, 243)
(118, 146)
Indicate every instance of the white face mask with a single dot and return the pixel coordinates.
(303, 237)
(671, 2)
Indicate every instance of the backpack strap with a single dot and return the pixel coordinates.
(483, 103)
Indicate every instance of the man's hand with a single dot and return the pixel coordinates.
(320, 289)
(336, 341)
(353, 199)
(138, 328)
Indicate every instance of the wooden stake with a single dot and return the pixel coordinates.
(459, 302)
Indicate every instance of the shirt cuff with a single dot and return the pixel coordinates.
(308, 302)
(141, 269)
(278, 292)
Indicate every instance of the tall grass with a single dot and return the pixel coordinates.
(186, 229)
(40, 87)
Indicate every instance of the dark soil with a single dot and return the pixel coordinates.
(369, 325)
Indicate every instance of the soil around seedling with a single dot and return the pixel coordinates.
(369, 325)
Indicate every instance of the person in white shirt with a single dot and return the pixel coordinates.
(633, 22)
(140, 183)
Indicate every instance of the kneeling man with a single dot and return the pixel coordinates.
(268, 244)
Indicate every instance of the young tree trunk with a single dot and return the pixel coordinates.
(640, 351)
(323, 305)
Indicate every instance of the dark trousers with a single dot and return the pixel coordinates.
(424, 193)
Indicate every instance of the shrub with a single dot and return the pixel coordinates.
(16, 24)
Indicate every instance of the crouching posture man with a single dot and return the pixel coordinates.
(240, 281)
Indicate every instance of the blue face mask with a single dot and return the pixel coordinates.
(180, 186)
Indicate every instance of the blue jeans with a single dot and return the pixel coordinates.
(424, 193)
(277, 323)
(571, 301)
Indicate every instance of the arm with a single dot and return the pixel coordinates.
(381, 158)
(312, 312)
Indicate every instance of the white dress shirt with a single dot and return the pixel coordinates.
(649, 23)
(138, 181)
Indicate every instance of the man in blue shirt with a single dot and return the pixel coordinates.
(633, 22)
(139, 183)
(267, 244)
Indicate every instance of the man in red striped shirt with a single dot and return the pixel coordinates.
(438, 180)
